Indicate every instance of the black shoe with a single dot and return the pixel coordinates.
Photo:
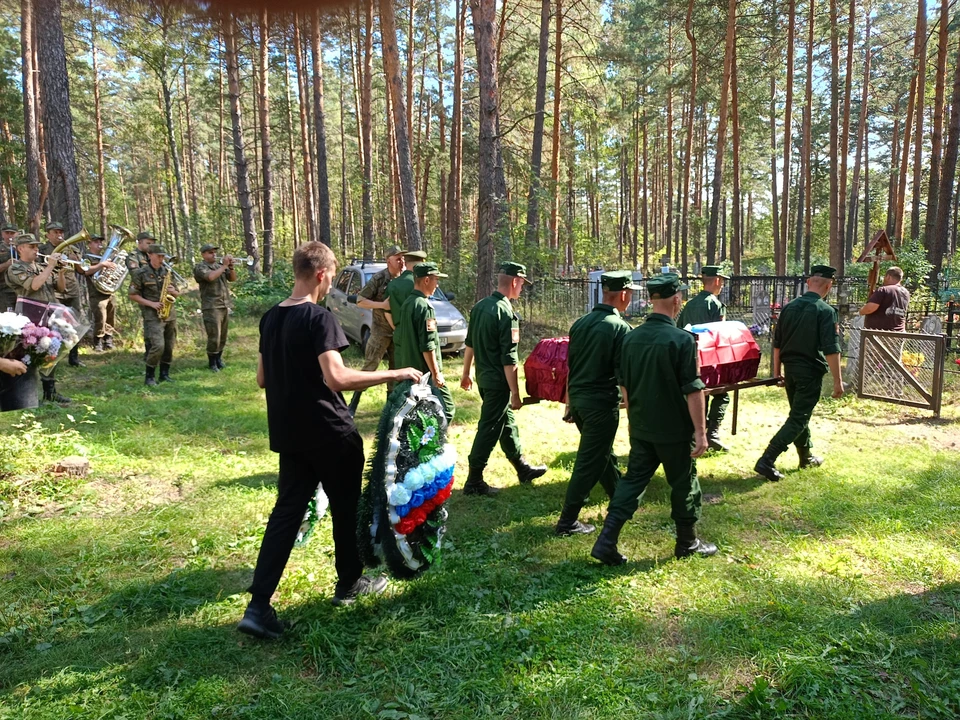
(605, 548)
(713, 441)
(261, 623)
(74, 357)
(808, 459)
(766, 466)
(50, 393)
(212, 362)
(527, 473)
(220, 361)
(98, 345)
(698, 547)
(150, 379)
(165, 372)
(568, 524)
(108, 342)
(365, 585)
(476, 485)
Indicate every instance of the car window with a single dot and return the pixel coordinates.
(438, 294)
(354, 285)
(343, 281)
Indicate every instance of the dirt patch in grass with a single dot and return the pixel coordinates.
(109, 496)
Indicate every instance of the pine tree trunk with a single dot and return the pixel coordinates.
(309, 194)
(892, 180)
(688, 153)
(191, 153)
(936, 151)
(366, 132)
(904, 161)
(492, 188)
(240, 159)
(787, 139)
(808, 140)
(442, 132)
(669, 178)
(391, 62)
(736, 239)
(455, 180)
(721, 131)
(861, 141)
(266, 151)
(536, 158)
(30, 136)
(774, 193)
(64, 193)
(98, 123)
(646, 196)
(319, 126)
(294, 201)
(836, 248)
(845, 136)
(921, 59)
(555, 141)
(344, 191)
(947, 177)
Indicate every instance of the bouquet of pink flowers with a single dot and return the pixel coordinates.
(29, 342)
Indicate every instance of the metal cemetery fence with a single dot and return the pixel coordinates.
(901, 368)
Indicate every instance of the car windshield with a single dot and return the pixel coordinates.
(438, 294)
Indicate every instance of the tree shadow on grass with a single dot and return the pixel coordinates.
(256, 481)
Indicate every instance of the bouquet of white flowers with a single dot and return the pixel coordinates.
(11, 330)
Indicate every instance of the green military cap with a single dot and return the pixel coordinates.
(156, 250)
(618, 280)
(426, 269)
(516, 270)
(415, 254)
(661, 287)
(395, 250)
(208, 246)
(26, 239)
(713, 271)
(53, 226)
(9, 227)
(96, 237)
(824, 271)
(146, 235)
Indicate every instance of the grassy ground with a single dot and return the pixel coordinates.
(835, 593)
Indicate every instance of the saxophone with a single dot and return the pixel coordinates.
(166, 299)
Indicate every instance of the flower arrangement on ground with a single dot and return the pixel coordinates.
(402, 518)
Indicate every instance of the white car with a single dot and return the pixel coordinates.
(356, 321)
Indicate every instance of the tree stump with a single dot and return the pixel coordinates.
(73, 465)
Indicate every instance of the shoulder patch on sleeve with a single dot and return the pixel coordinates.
(431, 324)
(515, 335)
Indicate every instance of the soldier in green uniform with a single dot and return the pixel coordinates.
(400, 288)
(806, 341)
(70, 296)
(138, 258)
(706, 307)
(103, 305)
(159, 336)
(492, 337)
(373, 296)
(664, 397)
(8, 253)
(38, 282)
(593, 396)
(214, 279)
(417, 332)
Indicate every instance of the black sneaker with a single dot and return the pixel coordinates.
(365, 585)
(261, 623)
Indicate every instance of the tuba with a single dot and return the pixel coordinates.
(108, 281)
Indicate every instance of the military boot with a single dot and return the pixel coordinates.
(688, 544)
(74, 360)
(108, 342)
(766, 465)
(605, 548)
(713, 439)
(808, 459)
(212, 358)
(569, 524)
(98, 345)
(165, 372)
(50, 393)
(150, 379)
(526, 472)
(220, 360)
(476, 485)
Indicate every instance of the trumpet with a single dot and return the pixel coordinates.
(81, 265)
(248, 261)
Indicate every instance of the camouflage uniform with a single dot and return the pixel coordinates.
(159, 336)
(214, 304)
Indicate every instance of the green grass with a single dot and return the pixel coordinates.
(835, 593)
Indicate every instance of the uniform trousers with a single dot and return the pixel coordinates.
(681, 472)
(496, 424)
(159, 337)
(338, 465)
(378, 345)
(8, 298)
(104, 310)
(216, 321)
(446, 397)
(803, 394)
(717, 409)
(596, 462)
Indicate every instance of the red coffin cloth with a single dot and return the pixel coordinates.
(546, 370)
(728, 353)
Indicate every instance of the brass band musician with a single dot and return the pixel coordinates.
(149, 287)
(8, 253)
(103, 305)
(214, 279)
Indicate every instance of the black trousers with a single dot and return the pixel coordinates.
(338, 465)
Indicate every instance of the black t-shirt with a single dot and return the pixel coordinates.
(892, 313)
(301, 409)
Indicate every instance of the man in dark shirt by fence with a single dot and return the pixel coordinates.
(886, 309)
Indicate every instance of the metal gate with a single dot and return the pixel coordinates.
(901, 368)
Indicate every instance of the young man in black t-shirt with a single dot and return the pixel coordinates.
(312, 430)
